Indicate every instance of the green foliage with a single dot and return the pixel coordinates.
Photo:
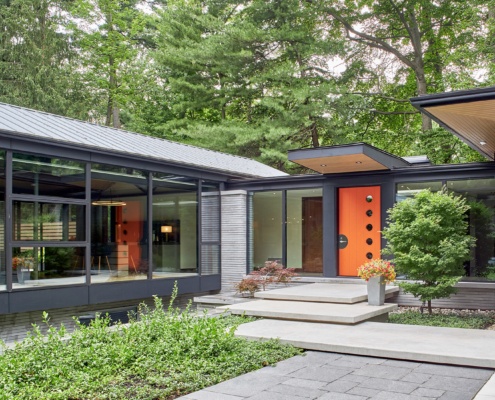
(427, 235)
(449, 320)
(162, 355)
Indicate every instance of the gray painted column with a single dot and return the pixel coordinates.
(234, 237)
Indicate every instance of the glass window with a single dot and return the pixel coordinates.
(118, 223)
(47, 176)
(39, 221)
(266, 228)
(210, 228)
(175, 225)
(305, 230)
(480, 196)
(409, 189)
(47, 266)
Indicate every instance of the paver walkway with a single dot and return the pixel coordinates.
(332, 376)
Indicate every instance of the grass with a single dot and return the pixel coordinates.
(164, 355)
(451, 319)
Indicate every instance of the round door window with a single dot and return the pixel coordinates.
(369, 198)
(369, 213)
(369, 256)
(369, 241)
(369, 227)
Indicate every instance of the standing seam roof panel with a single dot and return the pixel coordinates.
(23, 121)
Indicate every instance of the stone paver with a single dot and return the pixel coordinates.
(333, 376)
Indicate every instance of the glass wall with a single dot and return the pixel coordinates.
(305, 230)
(48, 220)
(174, 225)
(266, 227)
(480, 195)
(118, 223)
(409, 189)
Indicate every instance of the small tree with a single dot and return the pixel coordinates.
(428, 237)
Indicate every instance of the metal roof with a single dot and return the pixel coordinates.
(25, 122)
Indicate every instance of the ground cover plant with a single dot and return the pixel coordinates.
(470, 319)
(164, 355)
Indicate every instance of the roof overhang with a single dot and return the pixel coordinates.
(355, 157)
(468, 114)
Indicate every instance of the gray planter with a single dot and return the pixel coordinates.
(376, 291)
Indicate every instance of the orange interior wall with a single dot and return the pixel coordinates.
(352, 223)
(132, 231)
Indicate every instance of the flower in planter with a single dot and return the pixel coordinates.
(17, 262)
(377, 267)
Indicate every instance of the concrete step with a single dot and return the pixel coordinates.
(324, 293)
(312, 311)
(470, 347)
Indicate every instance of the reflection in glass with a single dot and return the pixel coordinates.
(47, 176)
(174, 225)
(409, 189)
(118, 224)
(480, 196)
(266, 228)
(305, 230)
(47, 266)
(47, 222)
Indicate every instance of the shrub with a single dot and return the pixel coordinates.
(271, 272)
(166, 354)
(428, 238)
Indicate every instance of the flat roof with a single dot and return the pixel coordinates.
(468, 114)
(354, 157)
(27, 123)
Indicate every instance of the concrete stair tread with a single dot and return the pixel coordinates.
(311, 311)
(324, 293)
(470, 347)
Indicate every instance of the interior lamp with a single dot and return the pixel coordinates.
(166, 229)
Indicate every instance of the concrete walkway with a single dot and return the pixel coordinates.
(331, 376)
(469, 347)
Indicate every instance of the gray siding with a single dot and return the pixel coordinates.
(234, 237)
(474, 296)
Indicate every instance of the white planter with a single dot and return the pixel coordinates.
(376, 291)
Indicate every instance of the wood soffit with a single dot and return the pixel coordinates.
(473, 122)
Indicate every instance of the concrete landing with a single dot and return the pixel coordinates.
(469, 347)
(309, 311)
(324, 293)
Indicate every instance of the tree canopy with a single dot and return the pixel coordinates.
(251, 77)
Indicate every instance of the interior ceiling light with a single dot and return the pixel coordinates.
(110, 203)
(359, 162)
(482, 142)
(323, 165)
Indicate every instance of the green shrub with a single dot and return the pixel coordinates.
(450, 319)
(165, 354)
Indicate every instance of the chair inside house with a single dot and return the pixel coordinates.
(100, 252)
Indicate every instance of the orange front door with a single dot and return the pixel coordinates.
(359, 227)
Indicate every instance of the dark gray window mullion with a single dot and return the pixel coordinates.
(87, 250)
(8, 218)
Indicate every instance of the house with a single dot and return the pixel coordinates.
(93, 217)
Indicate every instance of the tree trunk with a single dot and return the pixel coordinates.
(426, 124)
(430, 310)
